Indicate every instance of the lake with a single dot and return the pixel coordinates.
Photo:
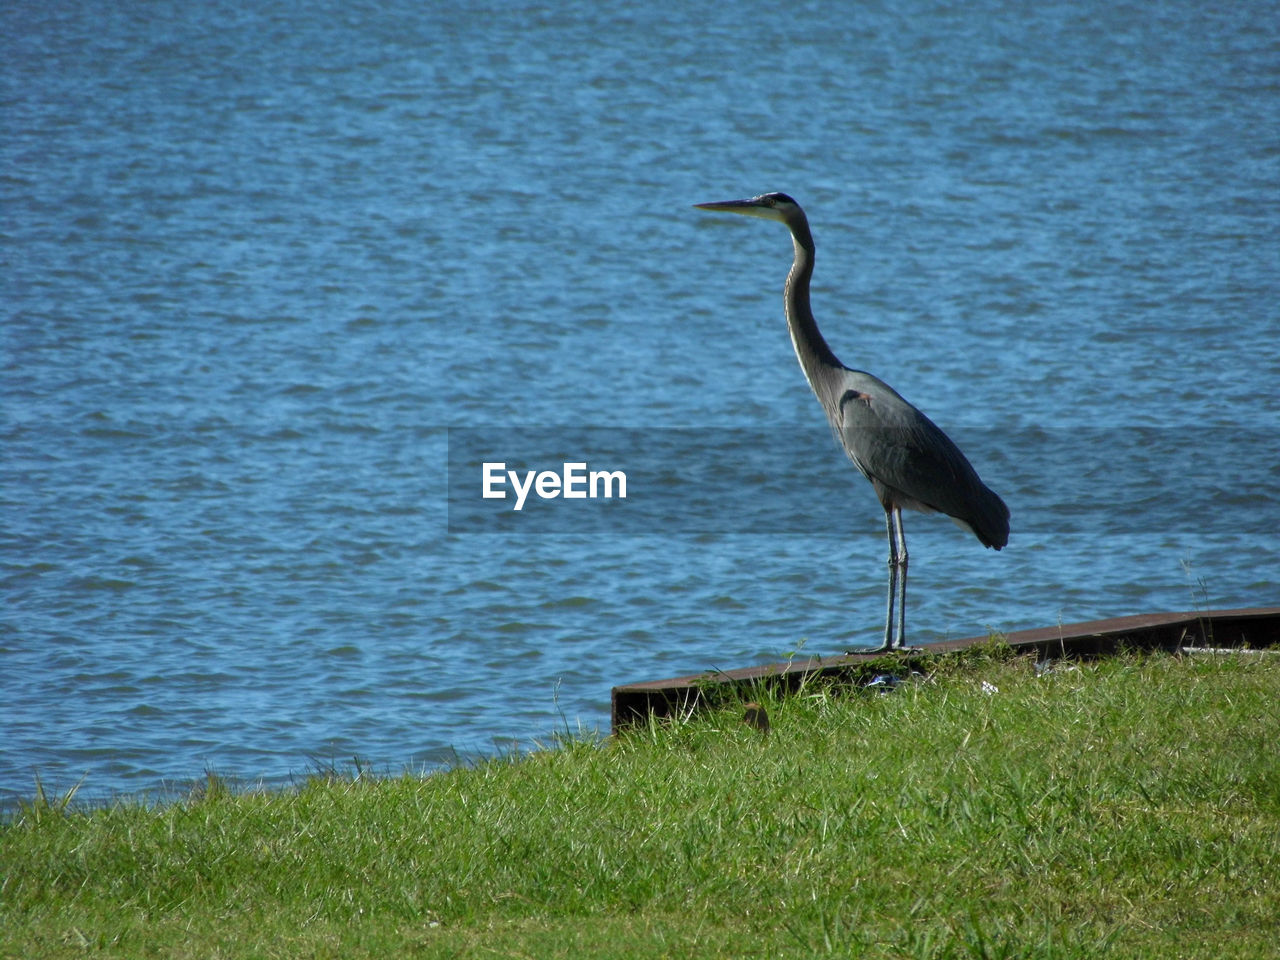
(269, 271)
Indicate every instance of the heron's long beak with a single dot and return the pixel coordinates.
(752, 207)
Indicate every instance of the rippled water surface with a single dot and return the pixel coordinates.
(261, 265)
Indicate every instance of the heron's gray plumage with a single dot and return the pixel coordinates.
(910, 462)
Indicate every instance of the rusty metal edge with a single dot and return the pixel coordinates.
(634, 703)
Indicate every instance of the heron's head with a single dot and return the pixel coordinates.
(768, 206)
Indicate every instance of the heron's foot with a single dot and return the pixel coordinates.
(876, 651)
(882, 650)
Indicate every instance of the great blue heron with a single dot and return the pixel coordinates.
(910, 462)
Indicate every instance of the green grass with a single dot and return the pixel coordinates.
(1129, 807)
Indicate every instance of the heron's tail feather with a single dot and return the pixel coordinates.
(990, 522)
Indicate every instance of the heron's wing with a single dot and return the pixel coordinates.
(910, 461)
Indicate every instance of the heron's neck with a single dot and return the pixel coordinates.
(811, 349)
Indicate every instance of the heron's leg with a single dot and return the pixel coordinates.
(893, 580)
(901, 550)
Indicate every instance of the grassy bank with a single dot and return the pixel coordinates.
(1128, 808)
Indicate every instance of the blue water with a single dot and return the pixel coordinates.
(259, 264)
